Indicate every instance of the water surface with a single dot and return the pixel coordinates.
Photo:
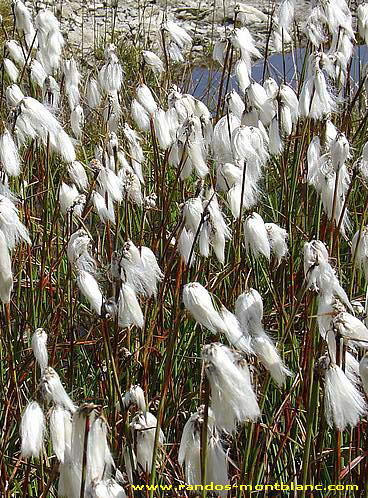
(204, 83)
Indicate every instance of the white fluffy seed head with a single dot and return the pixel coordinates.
(59, 434)
(106, 488)
(249, 311)
(359, 249)
(192, 213)
(135, 396)
(47, 127)
(277, 237)
(71, 470)
(267, 353)
(89, 287)
(143, 427)
(319, 274)
(14, 96)
(275, 144)
(235, 103)
(198, 302)
(339, 150)
(38, 73)
(64, 146)
(232, 397)
(54, 391)
(105, 212)
(242, 40)
(146, 99)
(315, 252)
(51, 93)
(15, 51)
(286, 120)
(290, 99)
(222, 137)
(344, 405)
(151, 271)
(72, 76)
(129, 310)
(271, 87)
(110, 76)
(77, 121)
(6, 275)
(255, 236)
(190, 450)
(177, 34)
(242, 75)
(139, 269)
(256, 95)
(351, 328)
(185, 245)
(109, 182)
(70, 199)
(78, 251)
(228, 175)
(99, 458)
(313, 159)
(78, 174)
(241, 144)
(39, 348)
(13, 229)
(23, 18)
(140, 116)
(11, 70)
(153, 61)
(32, 430)
(162, 129)
(234, 333)
(93, 93)
(314, 27)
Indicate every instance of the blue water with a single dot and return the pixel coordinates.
(204, 83)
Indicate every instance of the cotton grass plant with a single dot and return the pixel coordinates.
(182, 279)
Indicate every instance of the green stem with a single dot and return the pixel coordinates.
(311, 419)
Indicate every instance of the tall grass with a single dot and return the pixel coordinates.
(98, 361)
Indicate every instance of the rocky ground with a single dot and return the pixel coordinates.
(87, 24)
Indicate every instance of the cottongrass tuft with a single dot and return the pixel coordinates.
(32, 430)
(190, 451)
(344, 405)
(233, 400)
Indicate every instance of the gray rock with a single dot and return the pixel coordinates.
(197, 17)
